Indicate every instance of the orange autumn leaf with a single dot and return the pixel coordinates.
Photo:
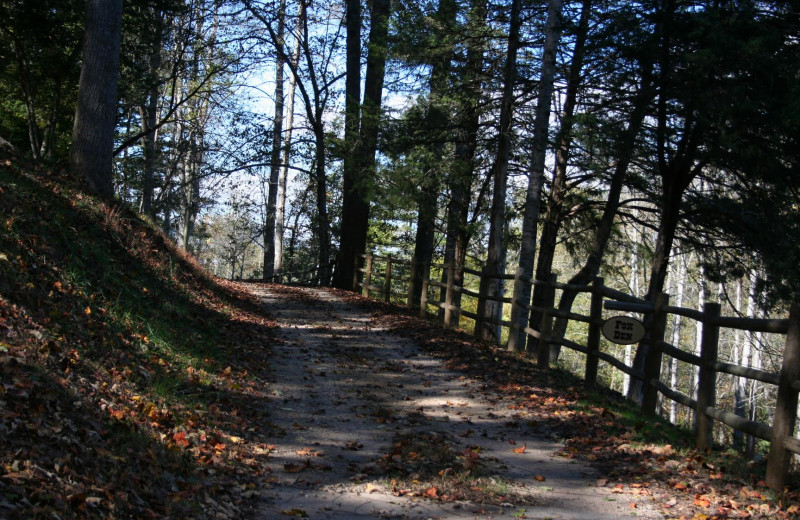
(431, 493)
(539, 478)
(521, 449)
(180, 439)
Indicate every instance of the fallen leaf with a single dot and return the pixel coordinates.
(539, 478)
(521, 449)
(371, 488)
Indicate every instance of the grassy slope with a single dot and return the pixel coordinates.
(123, 367)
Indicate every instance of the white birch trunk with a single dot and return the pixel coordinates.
(679, 278)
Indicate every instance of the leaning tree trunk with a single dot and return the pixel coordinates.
(602, 234)
(93, 132)
(558, 187)
(536, 179)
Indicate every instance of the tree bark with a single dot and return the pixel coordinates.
(354, 205)
(93, 132)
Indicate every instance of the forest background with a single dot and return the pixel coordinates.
(654, 143)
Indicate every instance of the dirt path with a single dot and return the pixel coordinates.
(345, 392)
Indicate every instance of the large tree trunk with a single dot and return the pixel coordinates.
(93, 132)
(536, 173)
(275, 155)
(495, 260)
(356, 196)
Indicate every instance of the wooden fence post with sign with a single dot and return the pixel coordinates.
(367, 275)
(387, 280)
(448, 294)
(593, 339)
(707, 379)
(778, 459)
(546, 328)
(652, 369)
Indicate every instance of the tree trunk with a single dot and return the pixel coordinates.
(356, 196)
(280, 210)
(495, 260)
(93, 132)
(679, 273)
(275, 155)
(149, 121)
(558, 187)
(624, 156)
(536, 174)
(462, 174)
(323, 222)
(437, 119)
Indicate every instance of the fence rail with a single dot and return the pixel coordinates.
(780, 433)
(318, 275)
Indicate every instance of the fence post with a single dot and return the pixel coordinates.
(786, 408)
(423, 298)
(448, 295)
(593, 339)
(387, 280)
(482, 292)
(515, 303)
(707, 379)
(546, 328)
(412, 273)
(367, 275)
(652, 368)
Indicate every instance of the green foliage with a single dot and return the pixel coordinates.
(39, 67)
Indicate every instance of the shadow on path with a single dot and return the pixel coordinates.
(345, 390)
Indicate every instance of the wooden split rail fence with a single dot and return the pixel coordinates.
(311, 277)
(396, 275)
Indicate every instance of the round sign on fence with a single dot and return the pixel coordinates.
(623, 330)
